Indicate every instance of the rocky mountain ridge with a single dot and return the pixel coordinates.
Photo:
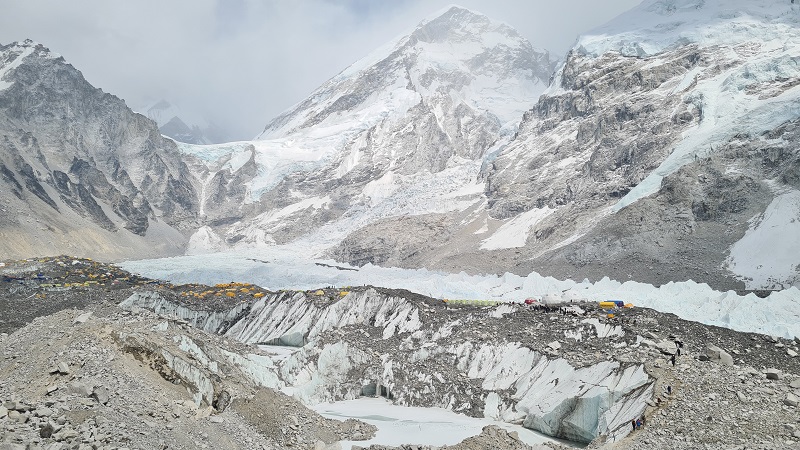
(80, 170)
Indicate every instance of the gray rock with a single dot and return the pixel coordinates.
(742, 398)
(46, 430)
(65, 433)
(100, 393)
(63, 368)
(715, 353)
(11, 446)
(43, 412)
(667, 347)
(791, 353)
(3, 412)
(82, 318)
(17, 416)
(795, 384)
(78, 388)
(773, 374)
(790, 400)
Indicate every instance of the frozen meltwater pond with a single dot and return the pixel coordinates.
(399, 425)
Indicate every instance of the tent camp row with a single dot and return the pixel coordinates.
(557, 298)
(573, 297)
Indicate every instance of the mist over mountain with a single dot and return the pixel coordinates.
(184, 126)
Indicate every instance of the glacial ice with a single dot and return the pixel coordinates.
(283, 267)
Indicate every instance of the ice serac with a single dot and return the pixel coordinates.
(662, 135)
(417, 352)
(401, 133)
(293, 318)
(207, 320)
(80, 173)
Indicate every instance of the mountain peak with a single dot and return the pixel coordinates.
(455, 53)
(457, 23)
(28, 46)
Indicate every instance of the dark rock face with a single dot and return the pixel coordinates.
(623, 130)
(69, 146)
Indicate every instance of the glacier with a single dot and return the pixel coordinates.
(285, 267)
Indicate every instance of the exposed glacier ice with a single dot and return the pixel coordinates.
(287, 267)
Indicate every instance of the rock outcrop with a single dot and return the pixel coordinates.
(80, 170)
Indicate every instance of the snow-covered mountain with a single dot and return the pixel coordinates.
(661, 150)
(664, 149)
(183, 125)
(80, 172)
(401, 133)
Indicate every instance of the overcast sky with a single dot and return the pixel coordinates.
(242, 62)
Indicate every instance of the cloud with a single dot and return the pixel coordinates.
(242, 62)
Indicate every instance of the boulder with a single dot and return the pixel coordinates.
(82, 318)
(65, 433)
(667, 347)
(100, 394)
(790, 400)
(555, 345)
(46, 430)
(43, 412)
(3, 412)
(795, 384)
(715, 353)
(80, 389)
(773, 374)
(791, 353)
